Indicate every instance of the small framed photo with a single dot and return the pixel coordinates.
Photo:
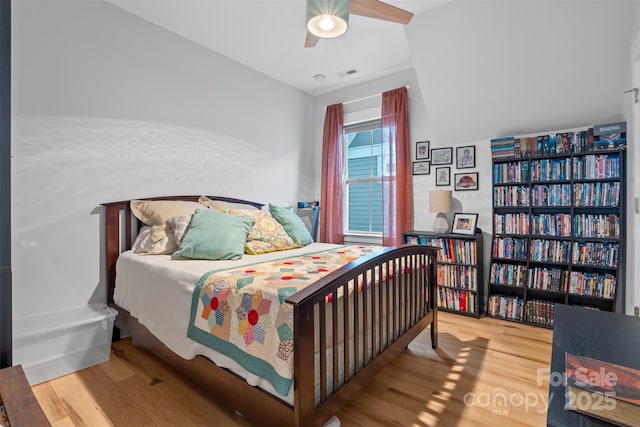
(443, 176)
(422, 150)
(442, 156)
(466, 181)
(421, 168)
(464, 223)
(466, 157)
(412, 240)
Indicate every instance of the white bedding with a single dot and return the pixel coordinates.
(150, 286)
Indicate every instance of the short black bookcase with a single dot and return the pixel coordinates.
(461, 287)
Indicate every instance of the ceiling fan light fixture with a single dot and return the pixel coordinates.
(327, 18)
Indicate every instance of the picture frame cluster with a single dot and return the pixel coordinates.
(465, 158)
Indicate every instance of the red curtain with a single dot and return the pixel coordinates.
(397, 195)
(331, 222)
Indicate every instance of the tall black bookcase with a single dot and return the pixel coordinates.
(558, 223)
(461, 285)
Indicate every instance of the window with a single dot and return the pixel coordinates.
(363, 178)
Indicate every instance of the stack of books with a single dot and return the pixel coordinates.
(502, 147)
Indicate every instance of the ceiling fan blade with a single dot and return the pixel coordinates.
(380, 10)
(311, 40)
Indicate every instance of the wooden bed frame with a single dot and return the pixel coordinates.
(391, 314)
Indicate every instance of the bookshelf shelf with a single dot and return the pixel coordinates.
(461, 287)
(558, 223)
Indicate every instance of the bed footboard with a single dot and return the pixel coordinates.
(394, 303)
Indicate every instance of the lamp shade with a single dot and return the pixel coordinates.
(327, 18)
(440, 201)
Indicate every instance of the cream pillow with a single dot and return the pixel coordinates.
(156, 213)
(222, 206)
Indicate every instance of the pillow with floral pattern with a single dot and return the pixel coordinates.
(267, 234)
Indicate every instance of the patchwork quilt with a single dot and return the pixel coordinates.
(242, 312)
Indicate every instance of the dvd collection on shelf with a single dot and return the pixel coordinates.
(558, 206)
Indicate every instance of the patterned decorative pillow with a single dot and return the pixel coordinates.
(266, 235)
(144, 244)
(179, 226)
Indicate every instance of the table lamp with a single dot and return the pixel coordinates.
(440, 202)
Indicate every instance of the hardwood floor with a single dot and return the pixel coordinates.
(485, 372)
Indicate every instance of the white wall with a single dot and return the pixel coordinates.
(109, 107)
(499, 68)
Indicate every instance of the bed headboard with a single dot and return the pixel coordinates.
(119, 222)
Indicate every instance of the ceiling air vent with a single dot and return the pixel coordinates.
(347, 73)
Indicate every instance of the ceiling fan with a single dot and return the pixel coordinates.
(330, 18)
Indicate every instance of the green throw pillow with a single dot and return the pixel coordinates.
(292, 224)
(215, 235)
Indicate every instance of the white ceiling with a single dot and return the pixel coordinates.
(268, 36)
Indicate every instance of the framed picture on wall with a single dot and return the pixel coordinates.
(422, 150)
(466, 157)
(421, 168)
(442, 156)
(466, 181)
(443, 176)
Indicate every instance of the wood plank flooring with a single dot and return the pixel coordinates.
(485, 372)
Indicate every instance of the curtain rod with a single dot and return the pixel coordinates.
(364, 98)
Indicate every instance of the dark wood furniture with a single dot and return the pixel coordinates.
(461, 284)
(391, 315)
(600, 335)
(20, 403)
